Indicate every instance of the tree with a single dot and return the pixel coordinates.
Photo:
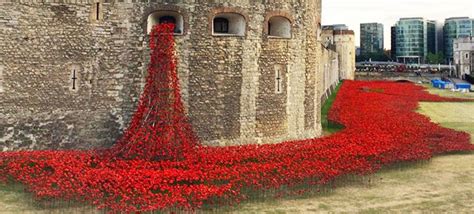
(376, 56)
(437, 58)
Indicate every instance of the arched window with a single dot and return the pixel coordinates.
(279, 26)
(161, 17)
(228, 24)
(221, 25)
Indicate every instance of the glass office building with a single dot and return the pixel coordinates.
(415, 38)
(457, 27)
(393, 41)
(371, 38)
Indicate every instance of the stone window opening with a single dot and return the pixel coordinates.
(74, 78)
(97, 10)
(228, 24)
(318, 32)
(161, 17)
(278, 79)
(279, 27)
(1, 79)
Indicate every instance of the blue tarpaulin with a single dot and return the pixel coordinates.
(463, 86)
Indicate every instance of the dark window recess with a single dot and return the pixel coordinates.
(74, 78)
(221, 25)
(269, 28)
(97, 10)
(169, 19)
(278, 81)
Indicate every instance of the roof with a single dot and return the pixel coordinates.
(457, 18)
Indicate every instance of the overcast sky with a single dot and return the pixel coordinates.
(387, 12)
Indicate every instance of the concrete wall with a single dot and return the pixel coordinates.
(228, 82)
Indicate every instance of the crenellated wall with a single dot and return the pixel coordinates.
(71, 71)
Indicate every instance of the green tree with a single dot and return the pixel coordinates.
(437, 58)
(376, 56)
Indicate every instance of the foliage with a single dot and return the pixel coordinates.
(437, 58)
(153, 168)
(376, 56)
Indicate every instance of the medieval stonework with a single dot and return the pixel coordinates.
(251, 71)
(338, 58)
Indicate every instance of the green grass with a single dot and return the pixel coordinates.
(328, 126)
(15, 199)
(458, 116)
(447, 92)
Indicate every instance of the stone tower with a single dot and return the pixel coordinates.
(72, 70)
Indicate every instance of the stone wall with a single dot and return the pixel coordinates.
(337, 59)
(330, 72)
(345, 47)
(72, 71)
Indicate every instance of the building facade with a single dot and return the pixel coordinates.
(71, 73)
(463, 53)
(415, 38)
(457, 27)
(337, 57)
(393, 41)
(342, 41)
(371, 38)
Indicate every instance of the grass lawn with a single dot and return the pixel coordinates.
(13, 199)
(447, 92)
(444, 184)
(328, 126)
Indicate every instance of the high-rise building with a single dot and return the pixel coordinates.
(415, 38)
(371, 38)
(393, 39)
(456, 27)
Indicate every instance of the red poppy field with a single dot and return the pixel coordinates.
(159, 163)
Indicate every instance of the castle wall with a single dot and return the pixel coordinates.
(345, 47)
(330, 68)
(72, 72)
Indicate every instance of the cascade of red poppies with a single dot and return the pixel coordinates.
(159, 129)
(160, 164)
(381, 128)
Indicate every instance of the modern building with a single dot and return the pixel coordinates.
(463, 53)
(393, 39)
(456, 27)
(415, 38)
(371, 38)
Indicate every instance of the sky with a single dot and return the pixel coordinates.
(387, 12)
